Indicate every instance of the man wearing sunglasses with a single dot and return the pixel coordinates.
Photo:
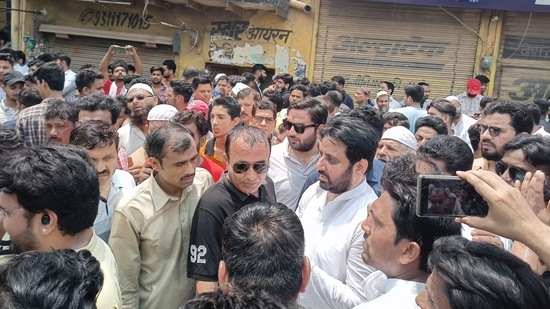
(141, 100)
(247, 155)
(293, 160)
(332, 209)
(502, 121)
(523, 154)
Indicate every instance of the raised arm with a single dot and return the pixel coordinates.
(104, 65)
(137, 62)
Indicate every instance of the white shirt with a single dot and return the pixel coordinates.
(394, 104)
(7, 113)
(392, 293)
(412, 113)
(120, 181)
(69, 86)
(541, 132)
(131, 138)
(461, 128)
(334, 239)
(288, 174)
(467, 233)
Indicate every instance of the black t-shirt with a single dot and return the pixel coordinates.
(216, 204)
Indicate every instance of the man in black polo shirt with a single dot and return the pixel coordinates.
(247, 151)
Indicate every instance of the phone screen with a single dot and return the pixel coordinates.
(448, 196)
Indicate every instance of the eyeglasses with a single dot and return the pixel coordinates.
(298, 127)
(493, 131)
(267, 120)
(139, 98)
(3, 211)
(515, 173)
(258, 167)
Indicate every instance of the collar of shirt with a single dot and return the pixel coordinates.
(286, 153)
(342, 200)
(159, 197)
(377, 284)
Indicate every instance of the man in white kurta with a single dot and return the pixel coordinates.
(332, 209)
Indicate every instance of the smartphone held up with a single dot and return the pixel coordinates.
(448, 196)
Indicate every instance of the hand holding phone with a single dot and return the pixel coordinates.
(448, 196)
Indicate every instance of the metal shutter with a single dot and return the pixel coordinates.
(368, 43)
(522, 71)
(88, 50)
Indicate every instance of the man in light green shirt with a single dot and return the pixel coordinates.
(151, 224)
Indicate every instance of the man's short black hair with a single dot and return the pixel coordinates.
(287, 79)
(396, 119)
(190, 72)
(263, 248)
(200, 80)
(416, 92)
(186, 117)
(120, 63)
(450, 149)
(99, 101)
(65, 170)
(29, 97)
(258, 67)
(276, 97)
(313, 107)
(63, 57)
(535, 148)
(157, 68)
(94, 134)
(61, 109)
(354, 131)
(230, 104)
(170, 64)
(339, 80)
(55, 280)
(86, 78)
(483, 79)
(522, 121)
(182, 88)
(52, 74)
(390, 85)
(301, 88)
(172, 135)
(480, 275)
(431, 122)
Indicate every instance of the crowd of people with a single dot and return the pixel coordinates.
(125, 188)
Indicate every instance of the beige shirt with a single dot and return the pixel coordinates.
(483, 164)
(110, 296)
(150, 241)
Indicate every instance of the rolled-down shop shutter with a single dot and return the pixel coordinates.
(368, 43)
(88, 50)
(524, 63)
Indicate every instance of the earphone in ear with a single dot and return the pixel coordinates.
(45, 219)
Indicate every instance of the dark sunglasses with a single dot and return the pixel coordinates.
(139, 98)
(258, 167)
(515, 173)
(298, 127)
(493, 131)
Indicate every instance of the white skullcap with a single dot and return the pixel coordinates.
(218, 77)
(381, 93)
(452, 98)
(402, 135)
(143, 87)
(238, 87)
(162, 112)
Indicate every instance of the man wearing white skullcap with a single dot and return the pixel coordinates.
(396, 142)
(141, 100)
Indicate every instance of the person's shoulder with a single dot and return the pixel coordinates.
(125, 129)
(133, 197)
(124, 179)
